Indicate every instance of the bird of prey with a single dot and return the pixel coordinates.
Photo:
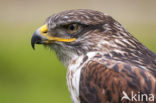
(104, 61)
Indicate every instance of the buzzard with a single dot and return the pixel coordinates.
(105, 63)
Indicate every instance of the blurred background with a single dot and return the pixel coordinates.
(28, 76)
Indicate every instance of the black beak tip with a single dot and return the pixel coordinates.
(33, 46)
(35, 40)
(33, 43)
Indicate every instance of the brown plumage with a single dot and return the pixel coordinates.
(104, 61)
(107, 79)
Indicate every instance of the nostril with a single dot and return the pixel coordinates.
(45, 31)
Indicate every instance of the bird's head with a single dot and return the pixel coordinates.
(76, 32)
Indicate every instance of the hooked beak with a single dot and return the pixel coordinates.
(41, 36)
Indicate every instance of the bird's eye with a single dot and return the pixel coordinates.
(72, 28)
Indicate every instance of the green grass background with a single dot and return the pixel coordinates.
(28, 76)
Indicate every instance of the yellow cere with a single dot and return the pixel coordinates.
(44, 30)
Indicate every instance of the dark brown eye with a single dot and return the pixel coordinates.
(73, 28)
